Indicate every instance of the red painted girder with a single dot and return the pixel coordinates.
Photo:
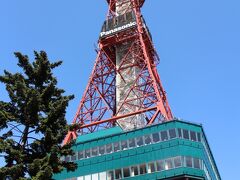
(118, 117)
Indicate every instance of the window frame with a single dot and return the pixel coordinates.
(141, 140)
(149, 167)
(180, 133)
(83, 153)
(119, 146)
(181, 162)
(162, 133)
(104, 175)
(185, 130)
(99, 147)
(175, 133)
(121, 143)
(138, 173)
(93, 178)
(145, 165)
(112, 175)
(194, 134)
(106, 148)
(199, 137)
(167, 161)
(88, 176)
(199, 163)
(186, 161)
(147, 136)
(158, 169)
(121, 173)
(129, 171)
(92, 150)
(159, 137)
(134, 141)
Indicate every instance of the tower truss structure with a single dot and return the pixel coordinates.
(124, 88)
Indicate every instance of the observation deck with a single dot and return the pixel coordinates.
(118, 24)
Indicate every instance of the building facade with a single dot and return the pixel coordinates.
(170, 150)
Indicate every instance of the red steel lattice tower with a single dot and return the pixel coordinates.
(124, 88)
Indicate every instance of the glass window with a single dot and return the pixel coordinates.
(80, 154)
(124, 145)
(160, 165)
(196, 163)
(193, 136)
(143, 169)
(168, 164)
(151, 167)
(87, 153)
(102, 176)
(126, 172)
(177, 162)
(189, 161)
(81, 178)
(128, 16)
(179, 133)
(110, 23)
(134, 171)
(164, 135)
(95, 151)
(102, 150)
(131, 143)
(156, 137)
(116, 146)
(94, 176)
(121, 19)
(139, 141)
(147, 139)
(110, 175)
(67, 158)
(116, 21)
(185, 134)
(199, 137)
(172, 133)
(74, 157)
(87, 177)
(109, 148)
(118, 174)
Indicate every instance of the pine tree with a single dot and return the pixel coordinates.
(32, 123)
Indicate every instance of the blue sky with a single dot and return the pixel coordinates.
(198, 42)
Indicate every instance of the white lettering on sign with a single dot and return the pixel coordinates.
(118, 29)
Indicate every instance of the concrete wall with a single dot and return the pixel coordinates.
(127, 79)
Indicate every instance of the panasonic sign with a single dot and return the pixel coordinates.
(129, 25)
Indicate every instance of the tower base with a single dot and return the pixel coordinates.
(171, 150)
